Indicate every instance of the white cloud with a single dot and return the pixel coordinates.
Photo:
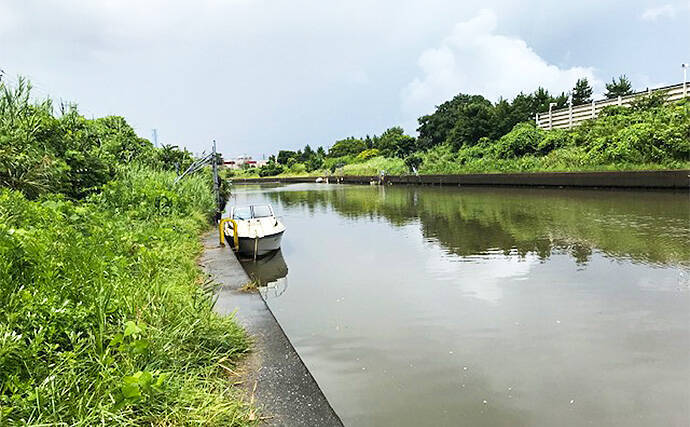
(474, 59)
(655, 13)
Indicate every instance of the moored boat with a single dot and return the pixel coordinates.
(259, 232)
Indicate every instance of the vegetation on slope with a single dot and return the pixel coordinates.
(471, 134)
(104, 316)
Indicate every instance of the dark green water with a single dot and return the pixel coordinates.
(445, 306)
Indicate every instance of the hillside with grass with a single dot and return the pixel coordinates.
(105, 318)
(470, 134)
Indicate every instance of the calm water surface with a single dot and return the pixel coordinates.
(445, 306)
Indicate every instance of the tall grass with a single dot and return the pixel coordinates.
(374, 166)
(102, 316)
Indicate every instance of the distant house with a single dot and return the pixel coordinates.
(240, 161)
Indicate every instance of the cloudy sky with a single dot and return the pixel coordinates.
(260, 75)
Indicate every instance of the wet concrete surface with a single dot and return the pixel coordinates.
(275, 376)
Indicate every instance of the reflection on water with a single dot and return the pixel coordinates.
(270, 272)
(447, 306)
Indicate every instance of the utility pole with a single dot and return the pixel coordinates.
(216, 187)
(155, 137)
(685, 79)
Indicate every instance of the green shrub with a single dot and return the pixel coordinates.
(524, 139)
(367, 154)
(270, 169)
(333, 163)
(102, 319)
(552, 140)
(374, 166)
(297, 169)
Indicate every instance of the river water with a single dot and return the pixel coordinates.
(479, 306)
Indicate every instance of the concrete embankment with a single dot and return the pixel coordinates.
(656, 179)
(275, 376)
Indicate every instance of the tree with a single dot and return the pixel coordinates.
(476, 120)
(284, 156)
(271, 168)
(622, 87)
(561, 100)
(170, 157)
(347, 146)
(413, 161)
(307, 154)
(435, 128)
(314, 163)
(582, 92)
(540, 100)
(394, 142)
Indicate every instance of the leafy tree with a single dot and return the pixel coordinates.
(475, 120)
(582, 92)
(413, 161)
(435, 128)
(307, 154)
(321, 152)
(561, 100)
(170, 157)
(620, 87)
(369, 141)
(347, 146)
(507, 115)
(367, 154)
(394, 143)
(315, 163)
(284, 156)
(270, 169)
(540, 100)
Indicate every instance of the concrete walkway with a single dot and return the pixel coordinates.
(278, 380)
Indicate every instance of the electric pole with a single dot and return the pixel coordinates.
(216, 187)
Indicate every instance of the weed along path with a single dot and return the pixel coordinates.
(273, 375)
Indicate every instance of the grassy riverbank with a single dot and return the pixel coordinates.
(105, 318)
(471, 135)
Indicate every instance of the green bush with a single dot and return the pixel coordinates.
(524, 139)
(102, 318)
(367, 154)
(104, 315)
(270, 169)
(552, 140)
(347, 147)
(333, 163)
(374, 166)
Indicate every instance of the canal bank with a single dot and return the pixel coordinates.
(654, 179)
(274, 376)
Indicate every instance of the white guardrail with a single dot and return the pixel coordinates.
(565, 118)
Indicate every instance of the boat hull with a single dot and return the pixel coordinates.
(265, 245)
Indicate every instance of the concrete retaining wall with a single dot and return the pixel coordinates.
(658, 179)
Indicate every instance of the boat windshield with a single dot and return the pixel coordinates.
(241, 213)
(262, 211)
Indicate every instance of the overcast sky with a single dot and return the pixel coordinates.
(260, 75)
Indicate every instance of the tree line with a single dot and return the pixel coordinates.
(463, 121)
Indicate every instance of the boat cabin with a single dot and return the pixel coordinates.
(244, 213)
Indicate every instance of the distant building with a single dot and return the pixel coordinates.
(240, 161)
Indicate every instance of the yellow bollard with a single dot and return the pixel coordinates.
(234, 232)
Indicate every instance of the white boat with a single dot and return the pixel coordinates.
(259, 232)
